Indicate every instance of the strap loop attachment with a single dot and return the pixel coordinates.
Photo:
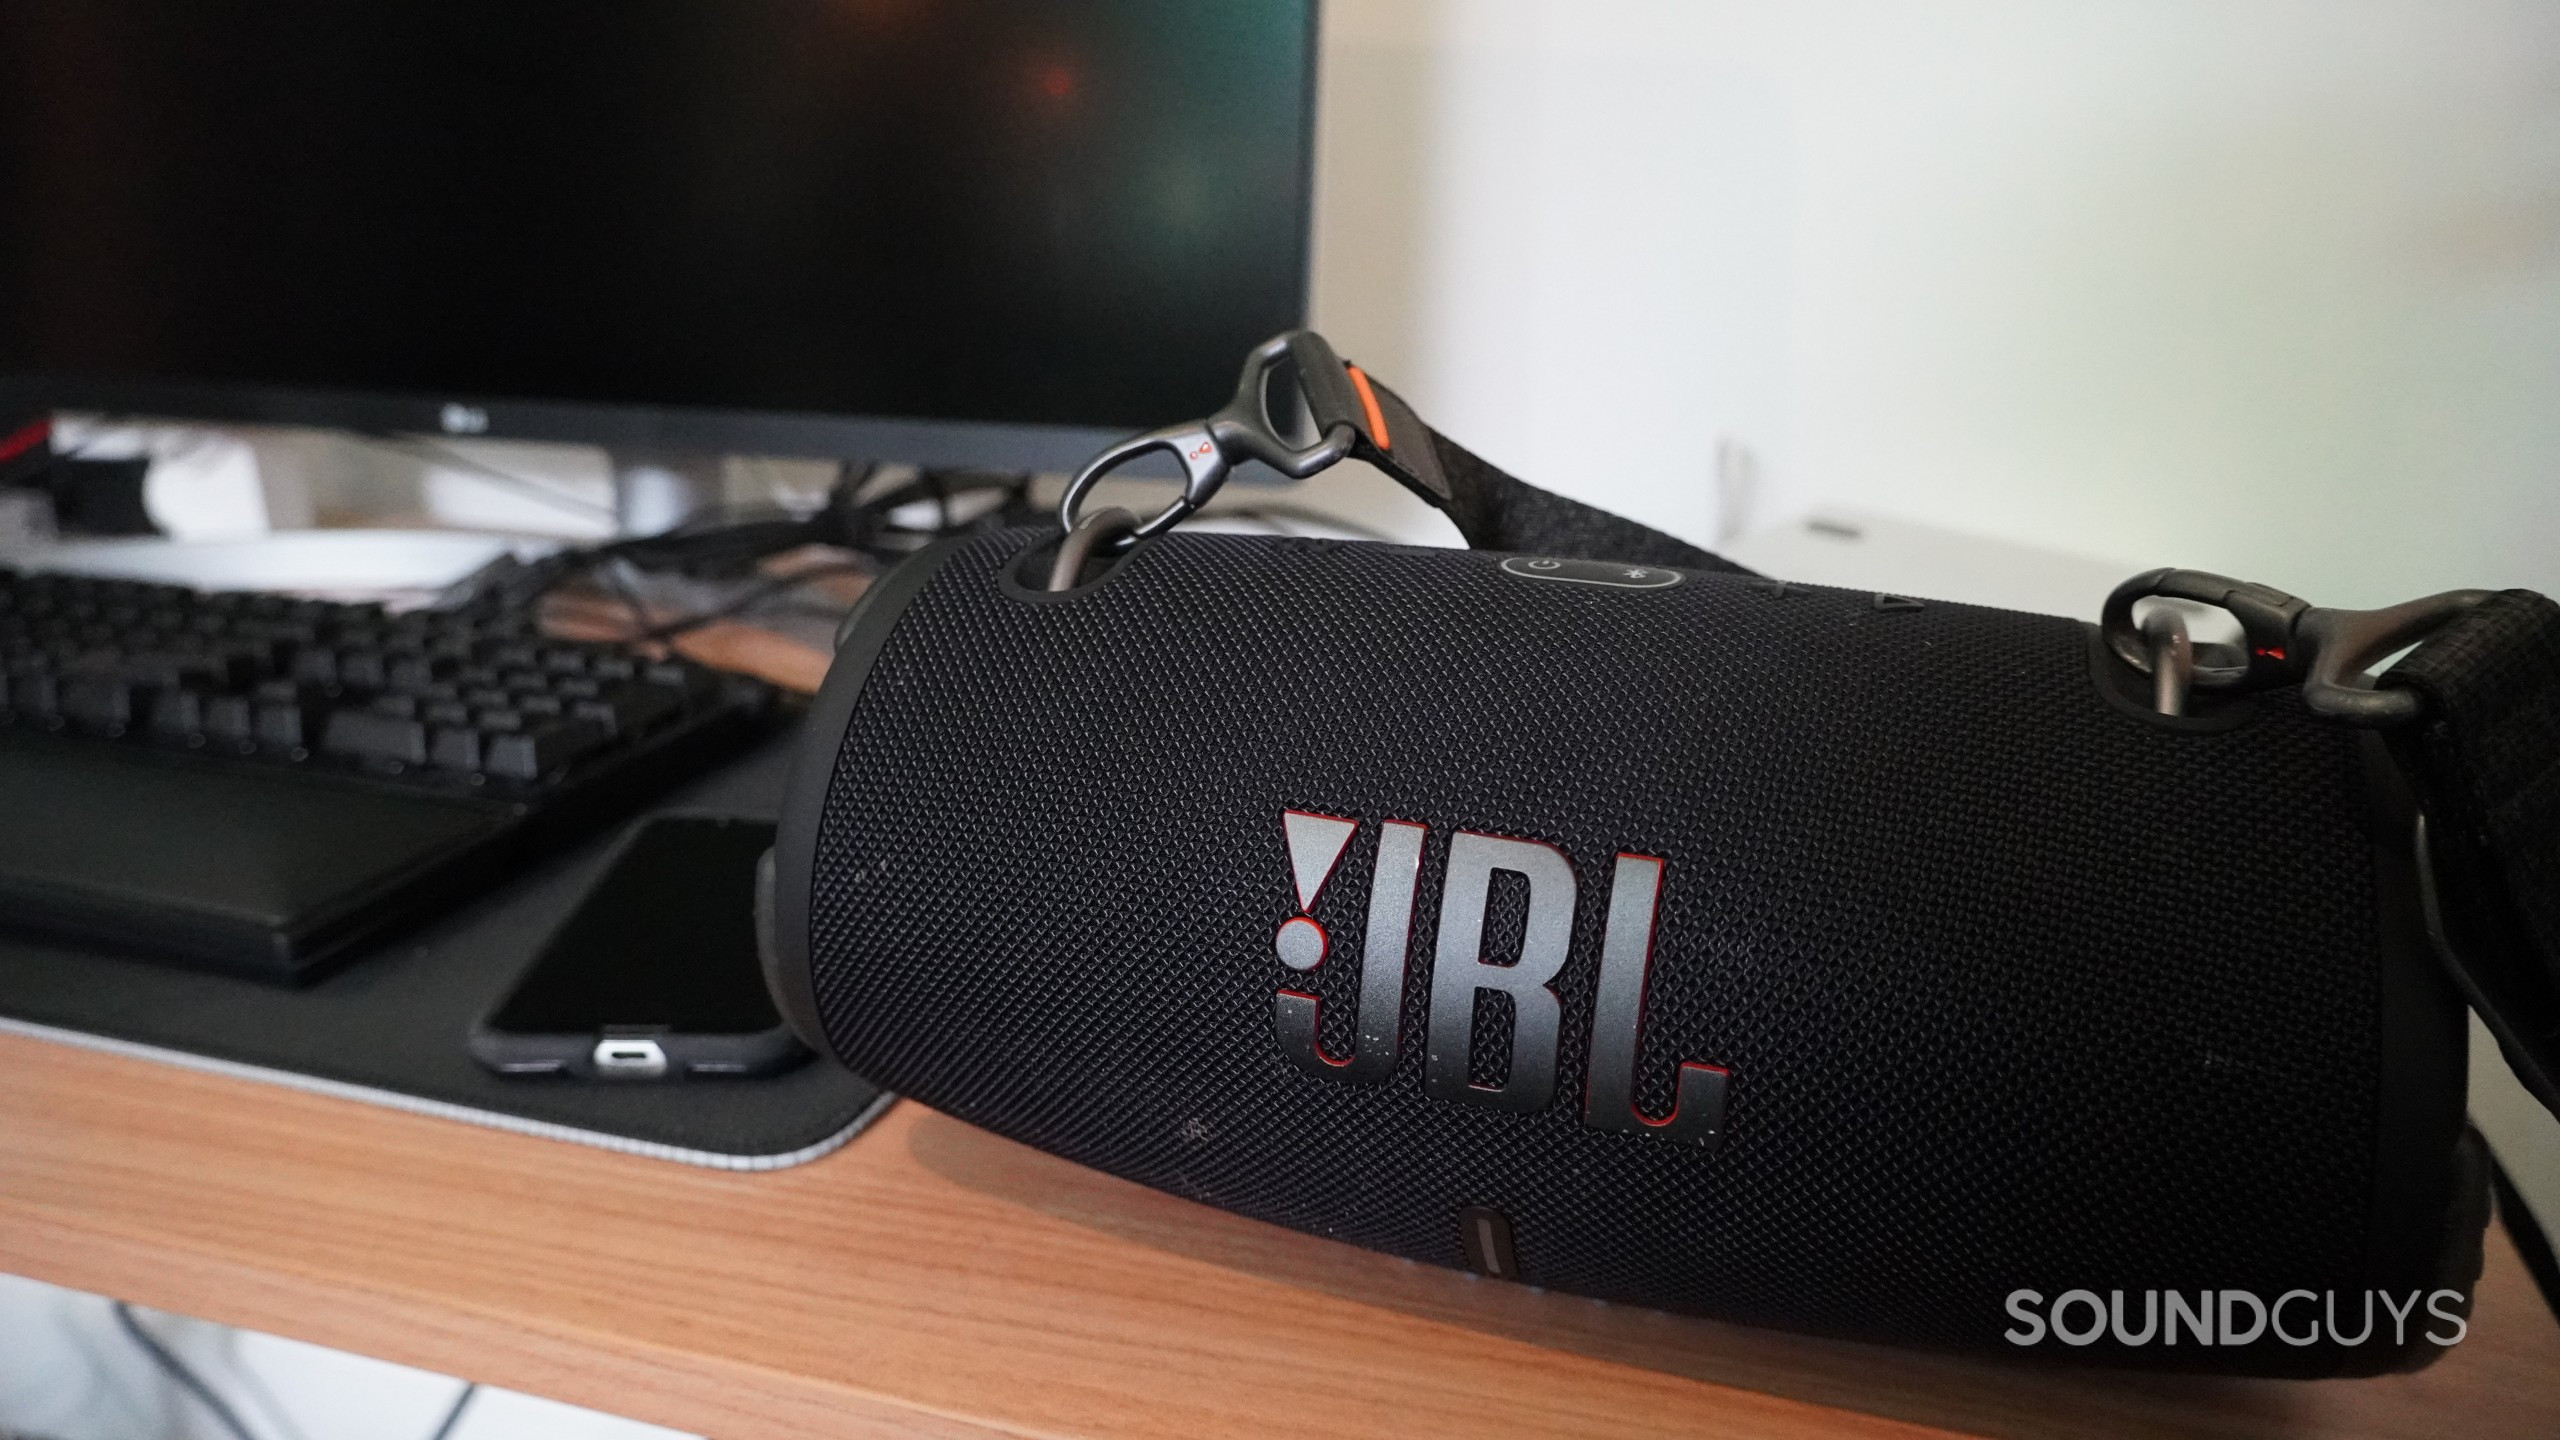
(1245, 430)
(2289, 641)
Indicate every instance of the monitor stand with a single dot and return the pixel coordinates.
(657, 490)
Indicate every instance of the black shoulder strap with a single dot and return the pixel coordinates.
(1497, 512)
(2485, 761)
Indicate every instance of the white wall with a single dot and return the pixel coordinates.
(2267, 286)
(2263, 286)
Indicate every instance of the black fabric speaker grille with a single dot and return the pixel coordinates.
(2015, 988)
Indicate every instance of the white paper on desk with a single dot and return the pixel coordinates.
(401, 568)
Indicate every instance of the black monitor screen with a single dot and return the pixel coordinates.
(1078, 212)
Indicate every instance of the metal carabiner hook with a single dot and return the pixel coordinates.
(1205, 467)
(1209, 450)
(2266, 617)
(1093, 532)
(2173, 660)
(2288, 641)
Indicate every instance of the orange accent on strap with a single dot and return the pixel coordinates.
(1369, 402)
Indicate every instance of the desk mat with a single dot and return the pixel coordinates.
(389, 1027)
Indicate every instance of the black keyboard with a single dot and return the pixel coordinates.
(262, 783)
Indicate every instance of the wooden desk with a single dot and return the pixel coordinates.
(933, 1280)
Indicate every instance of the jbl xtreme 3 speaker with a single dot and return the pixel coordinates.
(1760, 951)
(1819, 959)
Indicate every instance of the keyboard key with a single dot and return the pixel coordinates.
(227, 720)
(628, 710)
(362, 669)
(239, 664)
(673, 672)
(98, 702)
(177, 713)
(417, 672)
(35, 695)
(368, 735)
(454, 747)
(282, 725)
(534, 753)
(162, 668)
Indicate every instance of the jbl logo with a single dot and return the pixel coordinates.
(1459, 971)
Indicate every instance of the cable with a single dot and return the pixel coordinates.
(453, 1417)
(194, 1384)
(178, 1370)
(523, 485)
(620, 584)
(748, 600)
(859, 514)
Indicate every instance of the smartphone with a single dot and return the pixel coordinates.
(655, 975)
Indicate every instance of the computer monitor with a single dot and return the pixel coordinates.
(988, 232)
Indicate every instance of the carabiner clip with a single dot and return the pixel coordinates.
(2289, 640)
(1205, 467)
(1209, 450)
(2266, 617)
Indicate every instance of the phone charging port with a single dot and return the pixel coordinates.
(630, 1059)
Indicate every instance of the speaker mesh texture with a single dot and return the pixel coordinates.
(2015, 988)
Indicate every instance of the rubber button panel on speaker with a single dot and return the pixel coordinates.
(1617, 575)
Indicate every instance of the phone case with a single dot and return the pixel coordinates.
(626, 1052)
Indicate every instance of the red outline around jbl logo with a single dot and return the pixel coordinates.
(1459, 972)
